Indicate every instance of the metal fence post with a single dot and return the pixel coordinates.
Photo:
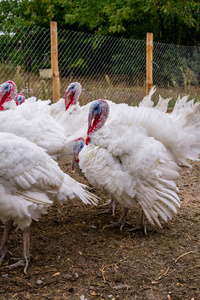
(54, 61)
(149, 62)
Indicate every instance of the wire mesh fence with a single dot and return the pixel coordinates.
(107, 67)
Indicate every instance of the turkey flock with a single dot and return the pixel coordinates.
(131, 153)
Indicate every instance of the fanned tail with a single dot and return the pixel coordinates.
(158, 197)
(147, 102)
(162, 104)
(187, 113)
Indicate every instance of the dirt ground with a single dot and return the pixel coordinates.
(73, 258)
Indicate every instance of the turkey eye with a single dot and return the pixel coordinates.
(7, 88)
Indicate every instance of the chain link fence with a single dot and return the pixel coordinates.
(107, 67)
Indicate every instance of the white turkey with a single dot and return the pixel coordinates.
(7, 93)
(135, 158)
(33, 121)
(31, 181)
(76, 114)
(19, 99)
(9, 99)
(72, 95)
(69, 114)
(80, 113)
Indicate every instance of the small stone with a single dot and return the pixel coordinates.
(92, 226)
(39, 282)
(76, 275)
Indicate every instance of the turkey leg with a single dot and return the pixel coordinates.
(24, 261)
(6, 233)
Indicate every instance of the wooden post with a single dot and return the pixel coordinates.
(149, 62)
(54, 61)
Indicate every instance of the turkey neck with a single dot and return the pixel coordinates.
(72, 100)
(98, 121)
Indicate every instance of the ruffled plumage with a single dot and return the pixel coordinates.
(29, 177)
(32, 121)
(30, 182)
(135, 156)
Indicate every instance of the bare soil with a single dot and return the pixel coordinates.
(73, 258)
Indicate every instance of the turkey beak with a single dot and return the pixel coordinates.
(75, 158)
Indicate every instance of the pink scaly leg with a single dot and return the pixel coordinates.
(121, 222)
(142, 226)
(111, 209)
(6, 233)
(24, 261)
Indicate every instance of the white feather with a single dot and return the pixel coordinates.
(30, 181)
(32, 121)
(135, 156)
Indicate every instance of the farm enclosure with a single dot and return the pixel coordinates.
(73, 258)
(107, 67)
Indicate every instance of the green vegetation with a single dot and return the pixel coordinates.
(172, 21)
(102, 41)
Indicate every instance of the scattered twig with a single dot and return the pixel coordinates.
(163, 274)
(111, 265)
(166, 273)
(197, 266)
(183, 255)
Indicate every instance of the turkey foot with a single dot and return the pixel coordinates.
(120, 223)
(3, 252)
(142, 226)
(110, 209)
(22, 262)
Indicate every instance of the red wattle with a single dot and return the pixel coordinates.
(3, 99)
(68, 105)
(87, 140)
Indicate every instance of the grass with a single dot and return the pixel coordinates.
(98, 87)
